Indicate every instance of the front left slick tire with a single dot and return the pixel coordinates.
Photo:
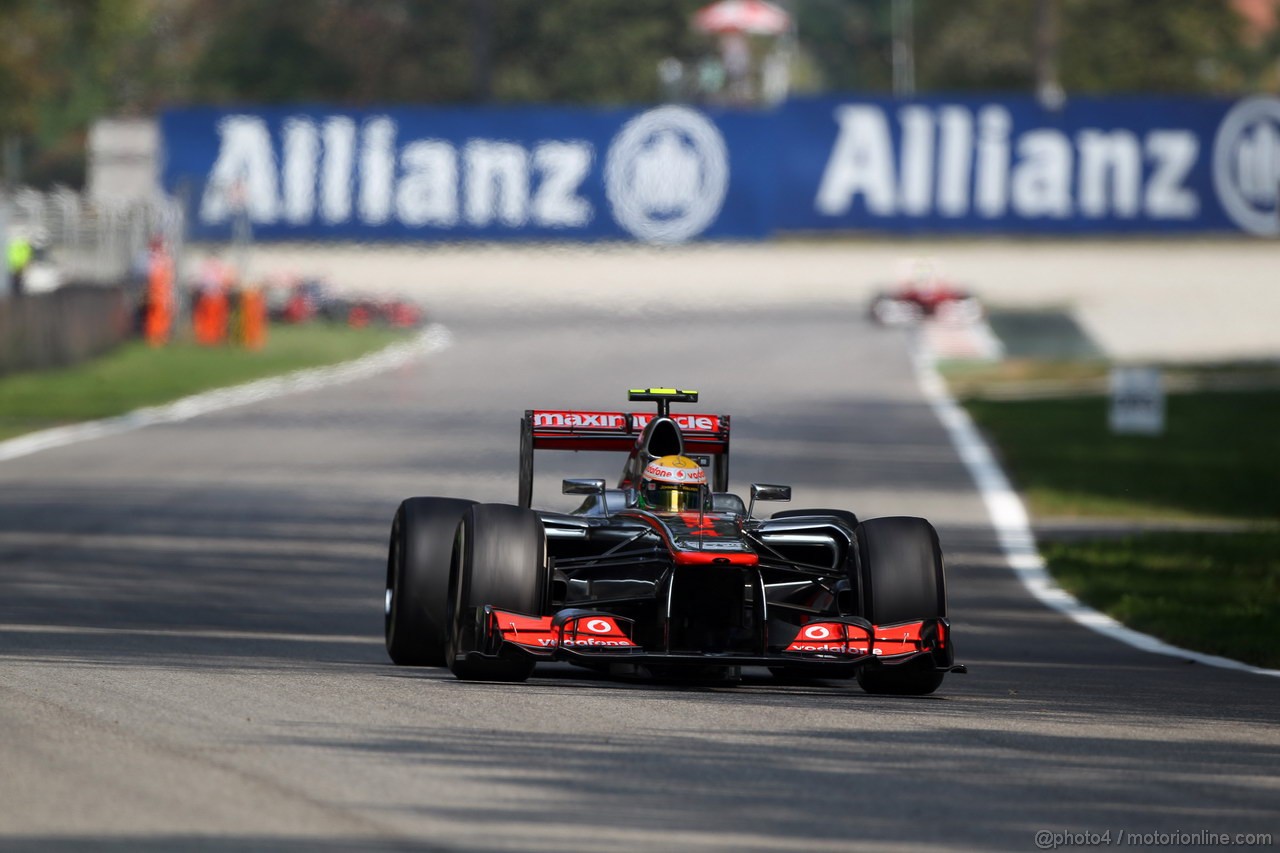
(418, 563)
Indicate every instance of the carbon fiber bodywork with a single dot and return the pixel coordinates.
(706, 590)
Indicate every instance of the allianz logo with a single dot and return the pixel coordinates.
(1246, 165)
(333, 171)
(954, 161)
(666, 175)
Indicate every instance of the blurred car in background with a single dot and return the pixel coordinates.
(293, 299)
(922, 293)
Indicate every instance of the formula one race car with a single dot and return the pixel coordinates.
(668, 575)
(912, 302)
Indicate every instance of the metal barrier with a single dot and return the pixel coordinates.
(82, 299)
(89, 243)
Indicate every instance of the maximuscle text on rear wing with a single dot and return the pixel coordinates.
(544, 429)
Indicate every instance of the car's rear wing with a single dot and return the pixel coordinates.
(558, 429)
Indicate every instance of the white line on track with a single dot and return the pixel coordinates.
(432, 339)
(1013, 527)
(190, 633)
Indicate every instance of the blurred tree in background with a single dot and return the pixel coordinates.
(64, 63)
(432, 51)
(1186, 46)
(1153, 47)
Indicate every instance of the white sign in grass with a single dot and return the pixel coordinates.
(1137, 401)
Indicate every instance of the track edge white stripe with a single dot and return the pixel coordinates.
(433, 338)
(1013, 527)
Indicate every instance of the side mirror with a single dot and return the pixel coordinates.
(574, 486)
(766, 492)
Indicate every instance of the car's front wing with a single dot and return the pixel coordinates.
(836, 645)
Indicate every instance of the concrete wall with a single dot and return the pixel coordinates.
(68, 325)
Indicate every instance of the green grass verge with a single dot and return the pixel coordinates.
(136, 375)
(977, 378)
(1219, 459)
(1212, 592)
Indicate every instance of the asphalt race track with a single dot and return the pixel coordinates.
(191, 633)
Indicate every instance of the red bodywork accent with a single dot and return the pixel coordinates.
(715, 558)
(700, 523)
(608, 633)
(929, 298)
(844, 639)
(712, 526)
(898, 639)
(832, 638)
(539, 632)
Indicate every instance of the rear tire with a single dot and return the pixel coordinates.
(900, 565)
(418, 558)
(499, 559)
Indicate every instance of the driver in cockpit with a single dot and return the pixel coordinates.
(674, 484)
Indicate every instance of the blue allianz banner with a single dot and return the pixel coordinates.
(675, 173)
(1097, 165)
(662, 175)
